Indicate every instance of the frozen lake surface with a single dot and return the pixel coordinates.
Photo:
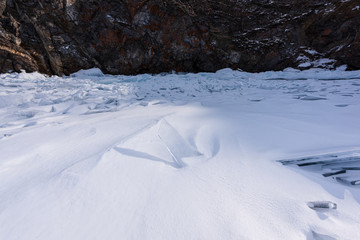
(180, 156)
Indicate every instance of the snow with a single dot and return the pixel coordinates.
(176, 156)
(311, 51)
(305, 62)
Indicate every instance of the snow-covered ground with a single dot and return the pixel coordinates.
(192, 156)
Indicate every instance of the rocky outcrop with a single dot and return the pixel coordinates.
(138, 36)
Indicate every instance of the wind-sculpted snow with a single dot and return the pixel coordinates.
(180, 156)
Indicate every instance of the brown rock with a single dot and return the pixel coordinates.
(138, 36)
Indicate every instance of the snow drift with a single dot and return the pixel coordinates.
(176, 156)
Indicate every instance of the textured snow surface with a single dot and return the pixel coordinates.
(176, 156)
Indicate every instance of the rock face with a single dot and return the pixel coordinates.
(138, 36)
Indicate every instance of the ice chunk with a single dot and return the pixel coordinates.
(94, 72)
(322, 205)
(312, 98)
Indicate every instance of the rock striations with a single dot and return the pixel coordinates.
(152, 36)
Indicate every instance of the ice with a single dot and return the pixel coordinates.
(180, 156)
(312, 98)
(93, 72)
(320, 205)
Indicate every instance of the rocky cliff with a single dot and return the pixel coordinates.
(138, 36)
